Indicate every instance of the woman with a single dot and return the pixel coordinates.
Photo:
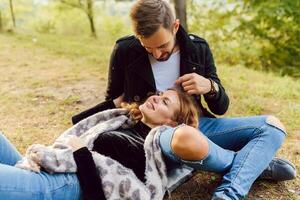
(170, 108)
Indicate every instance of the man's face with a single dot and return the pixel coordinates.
(161, 44)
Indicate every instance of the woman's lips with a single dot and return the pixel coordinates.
(150, 105)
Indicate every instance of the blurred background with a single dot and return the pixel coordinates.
(54, 57)
(258, 34)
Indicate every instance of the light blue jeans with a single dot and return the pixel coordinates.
(239, 148)
(19, 184)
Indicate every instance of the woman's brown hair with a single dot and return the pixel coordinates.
(187, 113)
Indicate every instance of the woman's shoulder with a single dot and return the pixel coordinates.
(170, 128)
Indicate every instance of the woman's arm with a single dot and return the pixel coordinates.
(99, 107)
(189, 143)
(88, 176)
(87, 173)
(124, 148)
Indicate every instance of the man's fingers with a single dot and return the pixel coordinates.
(189, 87)
(183, 78)
(192, 92)
(187, 83)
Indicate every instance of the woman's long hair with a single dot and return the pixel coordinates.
(187, 114)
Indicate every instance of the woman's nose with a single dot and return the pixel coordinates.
(156, 99)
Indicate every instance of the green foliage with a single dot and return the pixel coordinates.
(45, 26)
(5, 15)
(117, 29)
(216, 25)
(277, 25)
(258, 34)
(4, 21)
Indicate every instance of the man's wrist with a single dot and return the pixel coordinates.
(214, 88)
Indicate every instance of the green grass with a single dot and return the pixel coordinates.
(45, 79)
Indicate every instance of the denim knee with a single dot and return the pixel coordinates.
(275, 123)
(270, 120)
(273, 129)
(277, 130)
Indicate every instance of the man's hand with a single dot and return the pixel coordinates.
(194, 83)
(75, 143)
(118, 101)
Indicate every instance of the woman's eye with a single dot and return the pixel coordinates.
(165, 102)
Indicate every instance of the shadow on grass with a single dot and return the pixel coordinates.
(202, 185)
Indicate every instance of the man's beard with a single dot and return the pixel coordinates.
(168, 54)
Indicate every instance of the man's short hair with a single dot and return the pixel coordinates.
(148, 15)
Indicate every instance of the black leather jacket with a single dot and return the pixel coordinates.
(130, 73)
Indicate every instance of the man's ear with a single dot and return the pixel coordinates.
(176, 26)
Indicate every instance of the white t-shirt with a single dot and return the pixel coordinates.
(165, 72)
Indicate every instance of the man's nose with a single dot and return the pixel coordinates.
(156, 53)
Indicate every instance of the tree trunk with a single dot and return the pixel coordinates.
(90, 14)
(1, 24)
(180, 8)
(12, 13)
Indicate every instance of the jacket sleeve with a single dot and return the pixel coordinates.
(114, 86)
(218, 103)
(87, 174)
(116, 74)
(99, 107)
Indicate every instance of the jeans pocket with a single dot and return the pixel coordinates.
(66, 187)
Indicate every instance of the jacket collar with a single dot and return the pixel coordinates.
(185, 43)
(142, 67)
(141, 64)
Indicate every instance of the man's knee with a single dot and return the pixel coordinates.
(277, 132)
(189, 144)
(275, 122)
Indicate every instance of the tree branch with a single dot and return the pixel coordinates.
(79, 5)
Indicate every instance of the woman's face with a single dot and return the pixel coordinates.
(160, 109)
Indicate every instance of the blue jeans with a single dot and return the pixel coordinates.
(240, 148)
(22, 184)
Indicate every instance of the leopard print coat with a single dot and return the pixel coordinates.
(118, 182)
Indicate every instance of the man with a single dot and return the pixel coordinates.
(161, 55)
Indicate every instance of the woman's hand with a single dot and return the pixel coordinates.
(75, 143)
(118, 101)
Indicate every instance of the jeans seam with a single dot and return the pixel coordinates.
(231, 130)
(22, 190)
(273, 126)
(259, 136)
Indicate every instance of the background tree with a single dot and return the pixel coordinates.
(12, 13)
(87, 6)
(276, 26)
(180, 9)
(1, 24)
(257, 34)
